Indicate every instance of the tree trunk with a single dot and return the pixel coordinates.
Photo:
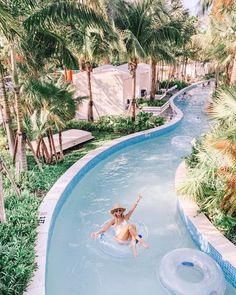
(185, 68)
(2, 117)
(162, 71)
(21, 151)
(21, 146)
(233, 74)
(158, 78)
(217, 74)
(50, 146)
(132, 69)
(153, 79)
(90, 103)
(45, 151)
(81, 62)
(182, 70)
(65, 73)
(6, 113)
(106, 60)
(60, 144)
(228, 73)
(2, 208)
(53, 144)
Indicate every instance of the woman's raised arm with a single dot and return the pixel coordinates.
(128, 215)
(107, 225)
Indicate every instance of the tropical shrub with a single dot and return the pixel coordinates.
(180, 84)
(119, 124)
(209, 76)
(211, 168)
(17, 239)
(18, 234)
(153, 103)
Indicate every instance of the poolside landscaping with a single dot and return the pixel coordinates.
(112, 68)
(211, 178)
(18, 235)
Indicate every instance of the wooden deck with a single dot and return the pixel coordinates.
(70, 138)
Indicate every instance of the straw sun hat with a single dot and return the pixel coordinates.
(115, 207)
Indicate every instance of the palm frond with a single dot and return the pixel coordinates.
(65, 13)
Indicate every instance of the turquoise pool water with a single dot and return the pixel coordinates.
(76, 264)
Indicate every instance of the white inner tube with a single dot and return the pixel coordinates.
(189, 271)
(110, 246)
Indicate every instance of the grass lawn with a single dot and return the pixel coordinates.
(17, 236)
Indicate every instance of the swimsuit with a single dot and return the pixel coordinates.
(119, 227)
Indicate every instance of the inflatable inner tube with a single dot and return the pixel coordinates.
(189, 271)
(110, 246)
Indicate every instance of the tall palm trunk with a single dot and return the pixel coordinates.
(217, 77)
(60, 144)
(132, 69)
(162, 71)
(233, 74)
(153, 79)
(50, 146)
(6, 113)
(228, 70)
(2, 208)
(185, 67)
(20, 143)
(81, 62)
(65, 73)
(90, 103)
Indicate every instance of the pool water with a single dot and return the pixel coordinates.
(76, 265)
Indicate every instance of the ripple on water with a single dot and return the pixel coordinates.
(193, 120)
(182, 142)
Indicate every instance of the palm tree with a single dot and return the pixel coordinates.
(2, 208)
(217, 5)
(224, 140)
(212, 179)
(9, 27)
(3, 168)
(162, 35)
(224, 18)
(41, 16)
(6, 112)
(134, 21)
(49, 103)
(93, 46)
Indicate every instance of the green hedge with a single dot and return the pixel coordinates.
(119, 124)
(153, 103)
(17, 240)
(180, 84)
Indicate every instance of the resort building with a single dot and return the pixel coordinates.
(111, 88)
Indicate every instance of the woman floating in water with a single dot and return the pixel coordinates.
(124, 231)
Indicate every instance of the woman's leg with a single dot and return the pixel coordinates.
(129, 232)
(133, 233)
(124, 234)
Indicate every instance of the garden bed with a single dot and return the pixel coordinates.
(18, 235)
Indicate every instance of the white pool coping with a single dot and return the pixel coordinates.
(204, 227)
(48, 205)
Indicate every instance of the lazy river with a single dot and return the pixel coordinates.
(76, 265)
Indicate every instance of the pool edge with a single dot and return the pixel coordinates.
(208, 238)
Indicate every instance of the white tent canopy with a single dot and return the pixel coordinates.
(111, 88)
